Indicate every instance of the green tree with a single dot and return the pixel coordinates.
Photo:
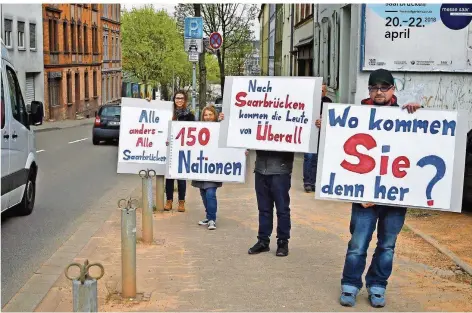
(150, 50)
(233, 21)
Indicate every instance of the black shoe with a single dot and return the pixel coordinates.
(307, 189)
(260, 246)
(282, 248)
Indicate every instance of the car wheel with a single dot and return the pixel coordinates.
(95, 141)
(25, 207)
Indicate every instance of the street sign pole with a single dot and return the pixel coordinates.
(194, 83)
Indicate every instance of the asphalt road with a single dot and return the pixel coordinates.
(73, 173)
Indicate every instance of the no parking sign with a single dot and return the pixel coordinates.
(216, 40)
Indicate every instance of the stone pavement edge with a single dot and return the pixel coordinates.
(190, 268)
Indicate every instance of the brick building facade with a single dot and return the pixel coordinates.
(111, 51)
(75, 56)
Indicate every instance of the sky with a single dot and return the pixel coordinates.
(170, 9)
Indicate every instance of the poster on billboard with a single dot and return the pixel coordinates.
(271, 113)
(422, 37)
(143, 135)
(387, 156)
(194, 154)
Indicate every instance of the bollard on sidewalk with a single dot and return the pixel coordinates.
(160, 182)
(147, 218)
(128, 247)
(84, 287)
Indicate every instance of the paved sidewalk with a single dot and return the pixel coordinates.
(194, 269)
(62, 124)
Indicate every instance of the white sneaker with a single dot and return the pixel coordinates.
(211, 225)
(203, 222)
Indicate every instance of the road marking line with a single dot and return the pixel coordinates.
(78, 140)
(38, 151)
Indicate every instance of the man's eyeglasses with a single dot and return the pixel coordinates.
(381, 88)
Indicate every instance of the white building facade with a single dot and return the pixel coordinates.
(343, 57)
(22, 33)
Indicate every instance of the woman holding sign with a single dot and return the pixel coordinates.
(181, 113)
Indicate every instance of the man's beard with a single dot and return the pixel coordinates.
(380, 102)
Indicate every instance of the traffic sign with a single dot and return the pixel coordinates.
(193, 28)
(216, 40)
(193, 56)
(190, 43)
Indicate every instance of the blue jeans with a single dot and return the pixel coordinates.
(363, 223)
(181, 187)
(270, 190)
(209, 201)
(310, 161)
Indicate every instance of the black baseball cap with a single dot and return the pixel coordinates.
(381, 77)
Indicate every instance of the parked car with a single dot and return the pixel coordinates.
(19, 161)
(467, 191)
(107, 124)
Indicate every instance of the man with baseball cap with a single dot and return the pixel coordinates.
(365, 217)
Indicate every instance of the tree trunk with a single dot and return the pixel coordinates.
(202, 87)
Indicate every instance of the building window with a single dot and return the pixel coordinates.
(8, 29)
(95, 7)
(54, 91)
(53, 36)
(105, 10)
(95, 82)
(32, 35)
(86, 85)
(73, 37)
(86, 50)
(95, 39)
(65, 37)
(105, 47)
(21, 35)
(112, 47)
(79, 37)
(69, 88)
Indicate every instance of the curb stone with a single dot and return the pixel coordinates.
(461, 263)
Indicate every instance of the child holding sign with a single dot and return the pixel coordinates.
(208, 188)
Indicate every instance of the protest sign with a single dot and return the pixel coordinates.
(271, 113)
(386, 156)
(143, 135)
(194, 154)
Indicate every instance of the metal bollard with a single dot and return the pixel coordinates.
(128, 247)
(147, 176)
(160, 192)
(84, 287)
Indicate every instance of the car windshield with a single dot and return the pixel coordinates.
(111, 111)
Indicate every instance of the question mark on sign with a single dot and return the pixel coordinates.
(440, 166)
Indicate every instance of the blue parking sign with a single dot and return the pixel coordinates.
(193, 28)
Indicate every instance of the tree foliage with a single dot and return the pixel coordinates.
(153, 50)
(232, 20)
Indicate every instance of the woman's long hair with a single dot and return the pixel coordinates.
(211, 109)
(183, 93)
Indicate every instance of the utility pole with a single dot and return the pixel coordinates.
(202, 87)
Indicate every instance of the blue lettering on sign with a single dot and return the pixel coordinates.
(203, 166)
(193, 28)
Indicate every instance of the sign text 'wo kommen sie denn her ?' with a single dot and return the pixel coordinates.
(387, 156)
(271, 113)
(194, 154)
(143, 134)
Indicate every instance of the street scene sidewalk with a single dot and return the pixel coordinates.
(190, 268)
(56, 125)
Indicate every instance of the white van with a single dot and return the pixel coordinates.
(19, 162)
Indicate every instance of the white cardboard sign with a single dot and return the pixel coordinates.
(271, 113)
(386, 156)
(143, 135)
(194, 154)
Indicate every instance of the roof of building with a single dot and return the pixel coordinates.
(261, 11)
